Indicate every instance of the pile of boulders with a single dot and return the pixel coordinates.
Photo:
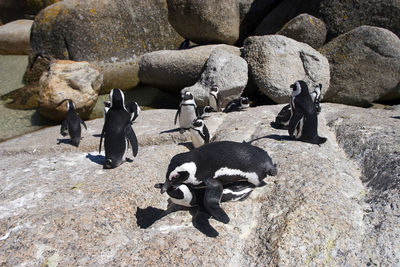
(320, 42)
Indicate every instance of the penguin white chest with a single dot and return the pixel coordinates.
(197, 139)
(186, 117)
(213, 102)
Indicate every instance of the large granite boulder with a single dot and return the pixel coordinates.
(276, 62)
(57, 198)
(110, 34)
(342, 16)
(14, 37)
(305, 29)
(205, 22)
(365, 66)
(174, 69)
(225, 70)
(78, 81)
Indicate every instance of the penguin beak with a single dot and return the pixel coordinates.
(165, 187)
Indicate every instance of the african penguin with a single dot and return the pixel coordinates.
(303, 124)
(117, 132)
(216, 164)
(72, 123)
(214, 98)
(204, 111)
(199, 133)
(186, 111)
(283, 117)
(237, 104)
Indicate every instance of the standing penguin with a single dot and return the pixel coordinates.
(216, 164)
(186, 111)
(199, 133)
(303, 124)
(117, 132)
(237, 104)
(214, 98)
(283, 117)
(72, 123)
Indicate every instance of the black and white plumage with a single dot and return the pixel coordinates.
(117, 132)
(72, 123)
(186, 111)
(237, 104)
(214, 98)
(204, 111)
(132, 107)
(216, 164)
(199, 133)
(283, 117)
(303, 124)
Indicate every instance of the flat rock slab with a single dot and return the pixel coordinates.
(58, 206)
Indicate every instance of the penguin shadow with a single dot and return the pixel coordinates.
(65, 141)
(96, 135)
(98, 159)
(170, 131)
(395, 117)
(148, 216)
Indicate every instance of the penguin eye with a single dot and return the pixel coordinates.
(173, 176)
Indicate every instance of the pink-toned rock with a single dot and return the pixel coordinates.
(79, 81)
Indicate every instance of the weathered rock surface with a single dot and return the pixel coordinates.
(205, 22)
(175, 69)
(104, 30)
(14, 37)
(365, 66)
(343, 16)
(225, 70)
(307, 29)
(57, 198)
(78, 81)
(275, 62)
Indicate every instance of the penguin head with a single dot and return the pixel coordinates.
(315, 96)
(117, 99)
(186, 95)
(180, 170)
(208, 109)
(107, 104)
(198, 123)
(70, 104)
(244, 102)
(299, 88)
(214, 90)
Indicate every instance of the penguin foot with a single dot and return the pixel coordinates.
(219, 214)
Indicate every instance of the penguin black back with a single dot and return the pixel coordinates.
(72, 123)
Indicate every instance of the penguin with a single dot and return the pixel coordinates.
(117, 132)
(303, 124)
(188, 196)
(199, 133)
(72, 123)
(216, 164)
(214, 98)
(204, 112)
(186, 111)
(184, 45)
(283, 117)
(237, 104)
(132, 107)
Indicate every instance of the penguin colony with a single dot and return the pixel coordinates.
(211, 173)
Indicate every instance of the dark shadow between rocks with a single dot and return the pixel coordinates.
(98, 159)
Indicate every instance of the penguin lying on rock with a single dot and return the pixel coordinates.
(72, 123)
(117, 132)
(283, 117)
(303, 124)
(237, 104)
(216, 164)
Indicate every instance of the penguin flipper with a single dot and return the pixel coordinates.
(84, 124)
(206, 134)
(131, 136)
(101, 137)
(212, 198)
(176, 115)
(294, 120)
(64, 128)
